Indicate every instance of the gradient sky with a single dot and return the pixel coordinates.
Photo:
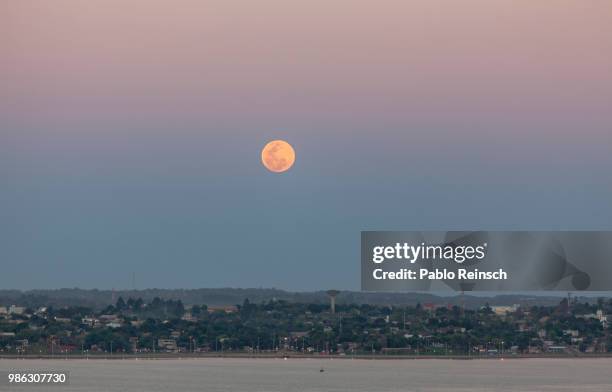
(130, 133)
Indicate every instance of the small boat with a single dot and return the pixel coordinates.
(321, 370)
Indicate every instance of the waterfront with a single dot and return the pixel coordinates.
(304, 375)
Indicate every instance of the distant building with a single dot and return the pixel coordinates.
(133, 343)
(63, 320)
(16, 309)
(577, 340)
(90, 321)
(167, 345)
(603, 318)
(108, 317)
(24, 343)
(504, 310)
(332, 300)
(187, 316)
(556, 349)
(110, 320)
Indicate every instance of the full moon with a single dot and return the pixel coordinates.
(278, 156)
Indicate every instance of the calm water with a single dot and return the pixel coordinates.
(238, 375)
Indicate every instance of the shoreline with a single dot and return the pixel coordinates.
(286, 356)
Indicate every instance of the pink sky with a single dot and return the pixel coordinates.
(255, 57)
(130, 132)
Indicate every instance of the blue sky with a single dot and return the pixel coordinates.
(130, 141)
